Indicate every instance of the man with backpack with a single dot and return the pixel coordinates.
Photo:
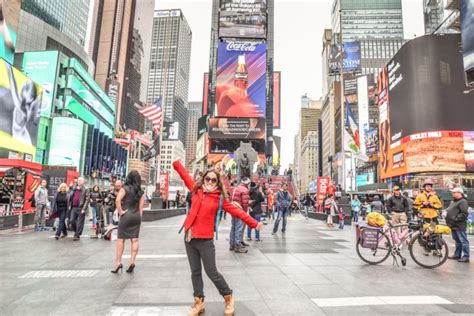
(283, 203)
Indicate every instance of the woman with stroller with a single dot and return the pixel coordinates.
(209, 195)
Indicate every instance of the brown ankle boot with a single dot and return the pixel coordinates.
(197, 308)
(229, 305)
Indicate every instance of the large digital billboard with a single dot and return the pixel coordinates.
(241, 80)
(276, 99)
(20, 105)
(66, 142)
(350, 58)
(237, 128)
(424, 112)
(42, 68)
(467, 34)
(243, 18)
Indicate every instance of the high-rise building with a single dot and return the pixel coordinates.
(441, 16)
(55, 25)
(70, 17)
(309, 160)
(194, 113)
(433, 13)
(172, 150)
(269, 40)
(367, 19)
(96, 9)
(114, 51)
(170, 57)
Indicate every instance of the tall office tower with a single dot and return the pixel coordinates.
(194, 113)
(268, 38)
(55, 25)
(114, 50)
(96, 9)
(433, 13)
(169, 66)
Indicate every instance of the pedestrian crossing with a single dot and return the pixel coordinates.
(45, 274)
(380, 300)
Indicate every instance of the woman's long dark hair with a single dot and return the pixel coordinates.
(134, 181)
(200, 182)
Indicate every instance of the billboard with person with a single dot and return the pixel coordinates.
(171, 131)
(246, 19)
(241, 80)
(420, 130)
(20, 106)
(350, 58)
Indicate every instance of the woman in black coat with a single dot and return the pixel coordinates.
(256, 200)
(60, 206)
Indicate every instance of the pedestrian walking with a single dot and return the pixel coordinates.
(41, 200)
(290, 174)
(95, 205)
(428, 203)
(256, 200)
(456, 219)
(200, 224)
(331, 209)
(109, 202)
(283, 203)
(178, 199)
(376, 205)
(341, 218)
(60, 206)
(80, 200)
(355, 206)
(129, 204)
(365, 209)
(410, 206)
(308, 203)
(398, 206)
(240, 198)
(271, 204)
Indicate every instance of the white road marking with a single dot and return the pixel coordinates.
(43, 274)
(161, 226)
(379, 300)
(147, 310)
(174, 256)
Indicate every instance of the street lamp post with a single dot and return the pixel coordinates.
(341, 74)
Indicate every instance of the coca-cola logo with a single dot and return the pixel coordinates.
(242, 46)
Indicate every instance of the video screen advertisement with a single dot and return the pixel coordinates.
(241, 80)
(467, 35)
(237, 128)
(424, 121)
(351, 56)
(243, 19)
(20, 106)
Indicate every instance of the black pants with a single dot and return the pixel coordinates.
(62, 225)
(77, 221)
(204, 250)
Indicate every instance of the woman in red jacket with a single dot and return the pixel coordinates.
(199, 234)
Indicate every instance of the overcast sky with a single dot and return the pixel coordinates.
(299, 26)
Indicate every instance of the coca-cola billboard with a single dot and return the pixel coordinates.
(243, 19)
(241, 80)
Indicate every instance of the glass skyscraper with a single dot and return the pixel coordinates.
(70, 17)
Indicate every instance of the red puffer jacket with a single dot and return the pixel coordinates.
(241, 196)
(202, 215)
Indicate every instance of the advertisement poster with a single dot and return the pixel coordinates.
(66, 142)
(236, 128)
(246, 19)
(469, 150)
(171, 131)
(226, 146)
(42, 68)
(241, 80)
(365, 179)
(350, 58)
(372, 141)
(164, 185)
(276, 99)
(467, 34)
(20, 106)
(202, 125)
(430, 138)
(322, 185)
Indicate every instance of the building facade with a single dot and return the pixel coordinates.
(328, 134)
(169, 66)
(194, 113)
(172, 150)
(309, 160)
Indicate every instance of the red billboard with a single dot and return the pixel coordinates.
(322, 185)
(205, 95)
(276, 99)
(164, 184)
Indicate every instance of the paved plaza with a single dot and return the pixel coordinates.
(309, 271)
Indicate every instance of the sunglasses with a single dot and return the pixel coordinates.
(209, 179)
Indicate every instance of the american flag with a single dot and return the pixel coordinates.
(153, 113)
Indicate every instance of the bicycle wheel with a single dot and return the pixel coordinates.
(424, 257)
(375, 256)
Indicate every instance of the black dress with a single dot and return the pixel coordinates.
(129, 223)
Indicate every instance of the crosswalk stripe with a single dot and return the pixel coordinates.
(43, 274)
(379, 300)
(172, 256)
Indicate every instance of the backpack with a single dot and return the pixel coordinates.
(217, 220)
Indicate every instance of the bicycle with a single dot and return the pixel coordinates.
(374, 245)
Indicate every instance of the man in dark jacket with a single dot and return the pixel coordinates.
(308, 203)
(283, 203)
(256, 200)
(240, 198)
(80, 198)
(398, 206)
(456, 218)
